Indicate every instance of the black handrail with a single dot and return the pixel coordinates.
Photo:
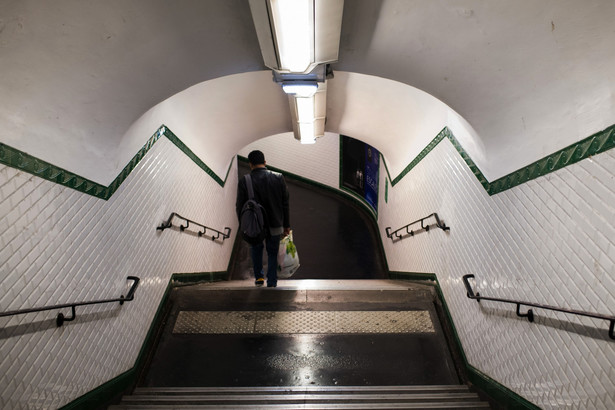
(61, 318)
(530, 314)
(424, 227)
(226, 234)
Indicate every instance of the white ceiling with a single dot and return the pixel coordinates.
(85, 82)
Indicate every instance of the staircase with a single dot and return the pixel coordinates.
(319, 344)
(302, 397)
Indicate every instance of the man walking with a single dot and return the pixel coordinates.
(269, 191)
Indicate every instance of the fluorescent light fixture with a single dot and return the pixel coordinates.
(307, 132)
(305, 89)
(294, 24)
(308, 115)
(305, 119)
(298, 39)
(297, 35)
(305, 109)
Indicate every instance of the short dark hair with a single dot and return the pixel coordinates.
(256, 157)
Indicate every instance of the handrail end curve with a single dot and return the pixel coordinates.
(131, 293)
(470, 291)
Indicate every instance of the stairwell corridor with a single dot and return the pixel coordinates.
(338, 335)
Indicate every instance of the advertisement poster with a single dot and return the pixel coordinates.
(372, 163)
(360, 167)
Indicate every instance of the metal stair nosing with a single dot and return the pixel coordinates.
(456, 388)
(304, 397)
(320, 406)
(300, 398)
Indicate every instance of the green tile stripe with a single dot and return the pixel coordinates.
(15, 158)
(595, 144)
(386, 190)
(420, 157)
(198, 277)
(464, 155)
(20, 160)
(173, 138)
(133, 163)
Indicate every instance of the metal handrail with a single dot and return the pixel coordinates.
(424, 227)
(168, 224)
(61, 318)
(530, 314)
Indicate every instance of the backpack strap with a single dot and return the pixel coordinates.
(249, 186)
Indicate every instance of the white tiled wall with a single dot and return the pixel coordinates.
(318, 162)
(58, 245)
(549, 241)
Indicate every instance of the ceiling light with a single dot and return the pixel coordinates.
(300, 89)
(294, 24)
(297, 35)
(308, 115)
(298, 40)
(305, 108)
(306, 129)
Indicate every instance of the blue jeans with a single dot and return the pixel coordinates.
(272, 243)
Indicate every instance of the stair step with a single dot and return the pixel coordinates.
(302, 389)
(303, 397)
(299, 398)
(320, 406)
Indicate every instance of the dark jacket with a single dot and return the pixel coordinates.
(269, 191)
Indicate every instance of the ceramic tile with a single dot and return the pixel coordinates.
(318, 162)
(532, 242)
(86, 255)
(512, 241)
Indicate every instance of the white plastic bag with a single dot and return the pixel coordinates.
(288, 257)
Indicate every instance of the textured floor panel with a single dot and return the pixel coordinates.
(304, 322)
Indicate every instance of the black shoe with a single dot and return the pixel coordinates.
(272, 285)
(259, 282)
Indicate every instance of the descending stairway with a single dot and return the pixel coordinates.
(310, 397)
(311, 345)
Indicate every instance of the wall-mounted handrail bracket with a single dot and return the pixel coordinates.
(60, 319)
(169, 223)
(395, 235)
(530, 313)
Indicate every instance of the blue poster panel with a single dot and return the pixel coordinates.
(372, 165)
(360, 169)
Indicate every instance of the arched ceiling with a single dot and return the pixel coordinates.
(84, 81)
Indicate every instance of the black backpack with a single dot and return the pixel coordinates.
(253, 218)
